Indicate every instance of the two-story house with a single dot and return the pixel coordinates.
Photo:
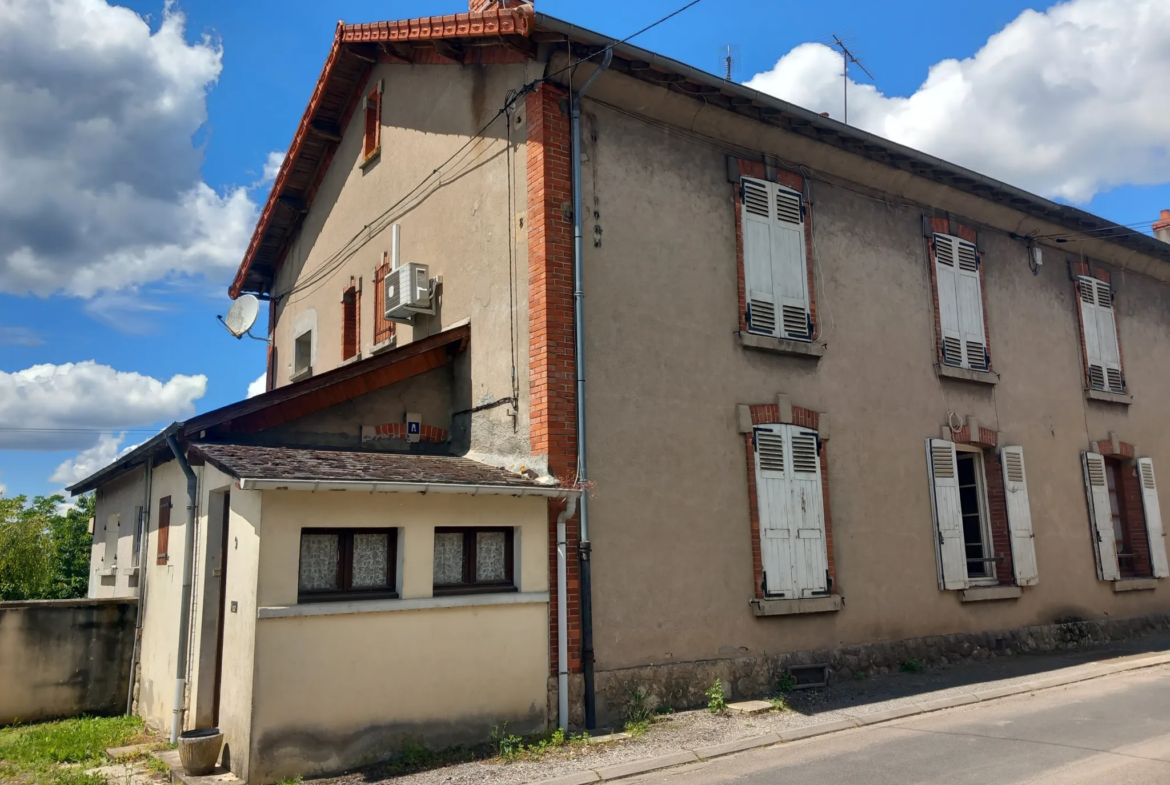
(833, 392)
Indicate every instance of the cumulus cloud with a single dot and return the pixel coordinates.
(106, 451)
(259, 386)
(102, 187)
(272, 166)
(1067, 102)
(39, 405)
(19, 336)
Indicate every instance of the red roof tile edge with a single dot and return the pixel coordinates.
(493, 21)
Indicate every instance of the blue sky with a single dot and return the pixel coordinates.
(272, 53)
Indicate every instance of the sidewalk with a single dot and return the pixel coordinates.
(696, 735)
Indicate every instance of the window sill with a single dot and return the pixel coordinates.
(131, 571)
(390, 606)
(766, 343)
(106, 572)
(1108, 397)
(350, 360)
(766, 607)
(453, 591)
(384, 346)
(965, 374)
(1135, 584)
(374, 155)
(301, 374)
(989, 593)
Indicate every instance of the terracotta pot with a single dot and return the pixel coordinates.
(199, 750)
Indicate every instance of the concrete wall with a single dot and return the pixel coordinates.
(350, 686)
(458, 225)
(62, 658)
(670, 519)
(113, 571)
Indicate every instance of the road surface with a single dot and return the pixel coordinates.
(1110, 730)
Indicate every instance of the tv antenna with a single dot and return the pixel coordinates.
(729, 61)
(848, 57)
(241, 316)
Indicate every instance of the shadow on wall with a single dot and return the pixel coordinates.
(62, 658)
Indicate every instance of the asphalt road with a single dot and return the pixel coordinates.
(1110, 730)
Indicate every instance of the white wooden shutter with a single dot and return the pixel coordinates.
(1107, 338)
(758, 212)
(1153, 518)
(1019, 514)
(1101, 516)
(943, 469)
(775, 266)
(807, 511)
(789, 263)
(772, 494)
(960, 302)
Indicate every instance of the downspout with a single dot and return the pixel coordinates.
(584, 548)
(143, 537)
(188, 566)
(563, 615)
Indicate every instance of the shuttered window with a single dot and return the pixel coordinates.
(1099, 327)
(1153, 511)
(164, 528)
(1100, 516)
(789, 500)
(774, 260)
(373, 126)
(350, 323)
(948, 514)
(960, 303)
(383, 327)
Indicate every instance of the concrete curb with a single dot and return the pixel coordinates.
(1073, 675)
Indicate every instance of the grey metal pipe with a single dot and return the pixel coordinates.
(188, 568)
(584, 549)
(143, 524)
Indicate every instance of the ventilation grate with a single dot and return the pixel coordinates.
(1115, 383)
(788, 206)
(1015, 466)
(755, 198)
(942, 458)
(762, 316)
(968, 258)
(952, 351)
(1096, 377)
(770, 447)
(804, 453)
(976, 356)
(1096, 470)
(1148, 476)
(795, 321)
(944, 250)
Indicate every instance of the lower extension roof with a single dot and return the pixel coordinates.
(499, 35)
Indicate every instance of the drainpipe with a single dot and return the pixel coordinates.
(584, 549)
(563, 615)
(143, 536)
(188, 566)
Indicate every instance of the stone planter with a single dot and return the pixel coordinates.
(199, 750)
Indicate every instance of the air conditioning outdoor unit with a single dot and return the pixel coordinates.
(408, 292)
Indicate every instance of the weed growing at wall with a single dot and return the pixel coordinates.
(912, 666)
(716, 697)
(785, 683)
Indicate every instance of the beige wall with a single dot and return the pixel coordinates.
(334, 690)
(670, 519)
(111, 562)
(459, 227)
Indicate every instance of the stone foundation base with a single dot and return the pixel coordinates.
(681, 685)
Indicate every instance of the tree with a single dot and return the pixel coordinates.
(44, 554)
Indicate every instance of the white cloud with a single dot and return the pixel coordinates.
(86, 396)
(272, 166)
(259, 386)
(1067, 102)
(19, 336)
(87, 462)
(102, 187)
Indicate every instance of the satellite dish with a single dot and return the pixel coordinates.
(242, 315)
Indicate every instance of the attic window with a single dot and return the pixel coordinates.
(373, 128)
(303, 354)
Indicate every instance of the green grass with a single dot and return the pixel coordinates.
(912, 666)
(40, 754)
